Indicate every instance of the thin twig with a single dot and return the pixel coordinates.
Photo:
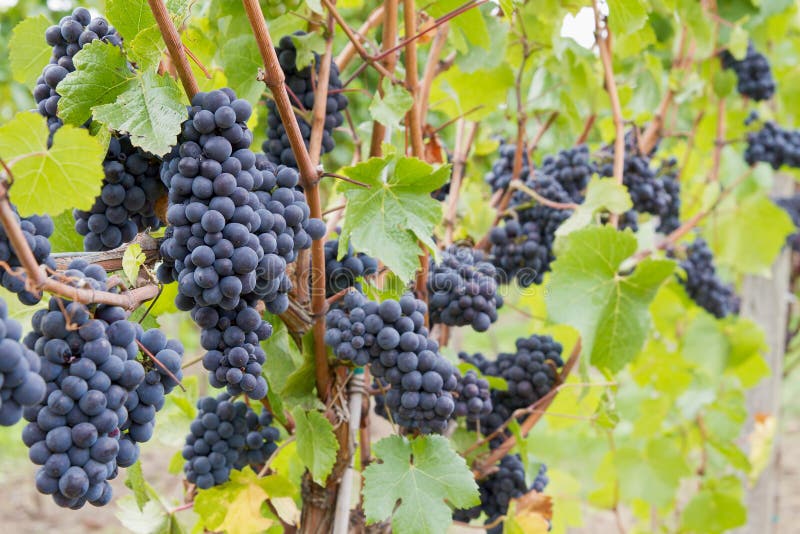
(346, 179)
(349, 51)
(372, 62)
(464, 142)
(541, 405)
(603, 38)
(542, 200)
(436, 23)
(719, 142)
(275, 80)
(175, 47)
(160, 364)
(389, 37)
(197, 62)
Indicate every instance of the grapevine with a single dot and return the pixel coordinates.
(362, 324)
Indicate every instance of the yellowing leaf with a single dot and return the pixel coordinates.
(234, 507)
(132, 259)
(761, 441)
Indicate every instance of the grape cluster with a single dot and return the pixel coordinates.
(653, 191)
(792, 206)
(234, 227)
(300, 83)
(126, 204)
(522, 247)
(226, 435)
(530, 373)
(148, 398)
(37, 230)
(496, 492)
(88, 358)
(774, 145)
(343, 273)
(754, 77)
(572, 168)
(669, 218)
(463, 289)
(392, 337)
(20, 383)
(542, 480)
(473, 398)
(702, 283)
(502, 169)
(67, 38)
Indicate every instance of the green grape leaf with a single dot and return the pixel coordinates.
(415, 482)
(176, 463)
(601, 194)
(652, 474)
(136, 483)
(152, 518)
(28, 51)
(307, 45)
(388, 219)
(65, 238)
(737, 42)
(147, 47)
(129, 17)
(241, 60)
(316, 443)
(626, 16)
(712, 510)
(43, 177)
(453, 93)
(609, 309)
(738, 224)
(150, 111)
(132, 260)
(235, 507)
(101, 75)
(143, 104)
(724, 82)
(390, 108)
(468, 26)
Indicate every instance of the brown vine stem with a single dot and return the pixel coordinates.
(465, 136)
(274, 79)
(539, 134)
(436, 23)
(719, 142)
(160, 365)
(346, 179)
(587, 128)
(38, 281)
(414, 128)
(110, 260)
(649, 138)
(389, 37)
(372, 62)
(542, 200)
(485, 467)
(432, 68)
(175, 47)
(349, 51)
(603, 38)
